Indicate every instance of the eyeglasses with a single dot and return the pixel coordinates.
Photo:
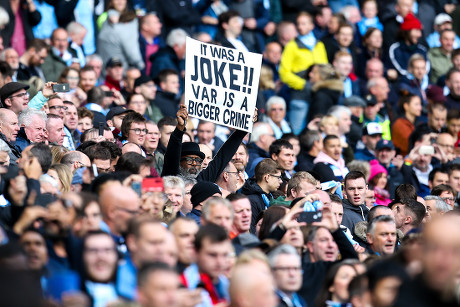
(139, 131)
(448, 199)
(288, 268)
(96, 251)
(278, 177)
(233, 172)
(59, 107)
(190, 160)
(80, 164)
(20, 95)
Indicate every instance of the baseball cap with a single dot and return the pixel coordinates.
(142, 80)
(384, 144)
(114, 61)
(116, 111)
(441, 19)
(370, 99)
(372, 129)
(10, 88)
(354, 101)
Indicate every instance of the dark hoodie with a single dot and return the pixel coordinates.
(258, 204)
(353, 215)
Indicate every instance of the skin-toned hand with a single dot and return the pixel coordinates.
(250, 23)
(182, 116)
(329, 221)
(392, 74)
(398, 161)
(48, 89)
(75, 299)
(270, 28)
(18, 190)
(118, 99)
(32, 169)
(290, 218)
(314, 124)
(30, 215)
(188, 298)
(413, 155)
(254, 119)
(359, 249)
(132, 178)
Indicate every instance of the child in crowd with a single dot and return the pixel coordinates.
(370, 19)
(379, 179)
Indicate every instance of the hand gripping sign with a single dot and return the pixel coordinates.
(221, 84)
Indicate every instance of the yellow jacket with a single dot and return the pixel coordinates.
(296, 59)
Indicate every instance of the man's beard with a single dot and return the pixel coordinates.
(186, 172)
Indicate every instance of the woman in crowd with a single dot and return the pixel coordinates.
(411, 108)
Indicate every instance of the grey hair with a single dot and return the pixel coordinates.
(92, 57)
(215, 201)
(174, 182)
(441, 205)
(26, 117)
(378, 219)
(284, 249)
(188, 180)
(275, 100)
(4, 146)
(4, 17)
(75, 27)
(176, 37)
(3, 53)
(258, 130)
(337, 111)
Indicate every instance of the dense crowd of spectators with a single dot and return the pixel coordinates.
(112, 196)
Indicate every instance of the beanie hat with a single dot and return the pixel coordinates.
(202, 191)
(411, 22)
(376, 169)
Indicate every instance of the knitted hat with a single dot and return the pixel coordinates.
(202, 191)
(411, 22)
(376, 169)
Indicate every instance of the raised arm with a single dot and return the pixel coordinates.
(173, 151)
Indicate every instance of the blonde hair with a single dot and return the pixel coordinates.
(328, 119)
(58, 152)
(64, 174)
(266, 78)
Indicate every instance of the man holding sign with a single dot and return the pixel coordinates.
(186, 158)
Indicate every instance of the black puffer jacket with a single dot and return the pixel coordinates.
(258, 204)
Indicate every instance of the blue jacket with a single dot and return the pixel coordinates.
(399, 54)
(364, 154)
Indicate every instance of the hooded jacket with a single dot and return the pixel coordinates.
(22, 141)
(258, 198)
(353, 215)
(325, 95)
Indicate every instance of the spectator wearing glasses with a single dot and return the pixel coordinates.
(15, 98)
(119, 205)
(133, 130)
(228, 180)
(286, 265)
(446, 193)
(259, 189)
(32, 59)
(186, 158)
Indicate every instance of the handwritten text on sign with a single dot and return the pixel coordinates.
(221, 84)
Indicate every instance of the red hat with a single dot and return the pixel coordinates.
(411, 22)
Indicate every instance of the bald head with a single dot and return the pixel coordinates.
(323, 196)
(250, 286)
(75, 160)
(9, 124)
(119, 204)
(441, 252)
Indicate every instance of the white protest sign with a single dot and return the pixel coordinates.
(221, 84)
